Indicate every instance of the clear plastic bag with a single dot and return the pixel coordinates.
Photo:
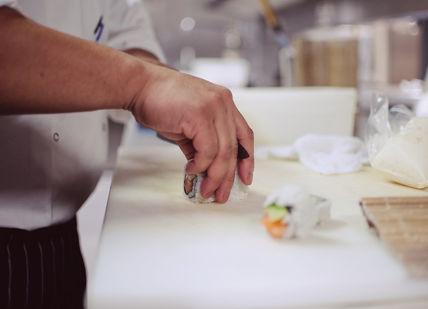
(397, 143)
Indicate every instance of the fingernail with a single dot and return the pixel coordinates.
(189, 167)
(206, 194)
(220, 197)
(250, 178)
(224, 197)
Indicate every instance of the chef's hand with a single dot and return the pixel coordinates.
(203, 120)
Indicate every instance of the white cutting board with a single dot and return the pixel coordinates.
(159, 250)
(279, 116)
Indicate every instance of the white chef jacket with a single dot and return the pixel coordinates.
(49, 164)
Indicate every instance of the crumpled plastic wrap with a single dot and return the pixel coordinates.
(397, 143)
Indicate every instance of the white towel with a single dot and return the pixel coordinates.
(325, 154)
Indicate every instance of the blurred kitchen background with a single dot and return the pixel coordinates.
(366, 44)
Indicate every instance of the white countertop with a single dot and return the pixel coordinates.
(159, 250)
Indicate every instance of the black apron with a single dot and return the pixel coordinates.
(42, 268)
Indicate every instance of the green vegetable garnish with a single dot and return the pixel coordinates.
(275, 212)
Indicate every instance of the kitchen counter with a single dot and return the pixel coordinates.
(159, 250)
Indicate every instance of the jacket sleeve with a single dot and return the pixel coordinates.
(129, 26)
(11, 3)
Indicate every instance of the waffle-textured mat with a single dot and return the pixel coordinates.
(402, 223)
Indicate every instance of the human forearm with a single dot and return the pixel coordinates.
(45, 71)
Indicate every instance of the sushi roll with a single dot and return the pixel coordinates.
(192, 184)
(291, 212)
(192, 189)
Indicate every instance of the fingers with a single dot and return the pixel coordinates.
(205, 146)
(191, 109)
(223, 192)
(245, 137)
(213, 145)
(187, 148)
(185, 144)
(222, 169)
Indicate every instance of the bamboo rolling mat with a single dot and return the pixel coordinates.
(402, 223)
